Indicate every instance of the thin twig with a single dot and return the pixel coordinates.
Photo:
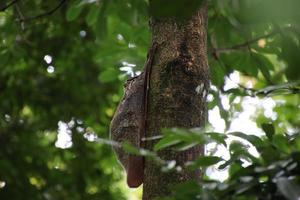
(45, 14)
(21, 16)
(246, 44)
(272, 90)
(8, 5)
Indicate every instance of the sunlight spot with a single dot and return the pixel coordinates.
(215, 120)
(127, 64)
(91, 137)
(291, 131)
(199, 88)
(79, 129)
(50, 69)
(71, 124)
(7, 117)
(249, 84)
(92, 189)
(204, 94)
(131, 45)
(214, 88)
(120, 37)
(268, 105)
(210, 98)
(262, 43)
(216, 174)
(242, 121)
(37, 182)
(64, 139)
(178, 168)
(232, 81)
(169, 165)
(138, 73)
(79, 121)
(82, 33)
(128, 68)
(220, 151)
(237, 100)
(48, 59)
(2, 184)
(109, 112)
(225, 102)
(90, 1)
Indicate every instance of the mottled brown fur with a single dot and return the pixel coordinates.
(128, 125)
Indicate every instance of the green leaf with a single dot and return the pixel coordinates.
(281, 142)
(297, 142)
(187, 138)
(217, 73)
(109, 75)
(242, 62)
(269, 154)
(229, 162)
(173, 8)
(264, 65)
(253, 139)
(205, 161)
(101, 27)
(74, 10)
(185, 146)
(92, 16)
(129, 148)
(269, 130)
(290, 53)
(217, 137)
(268, 11)
(166, 142)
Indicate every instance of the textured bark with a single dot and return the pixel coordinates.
(178, 89)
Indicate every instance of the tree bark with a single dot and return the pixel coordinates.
(177, 98)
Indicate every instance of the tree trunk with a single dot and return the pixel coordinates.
(178, 88)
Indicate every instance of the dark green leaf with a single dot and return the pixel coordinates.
(92, 16)
(205, 161)
(254, 140)
(173, 8)
(290, 53)
(74, 10)
(281, 143)
(109, 75)
(269, 130)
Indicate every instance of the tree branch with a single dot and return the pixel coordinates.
(45, 14)
(217, 51)
(273, 90)
(8, 5)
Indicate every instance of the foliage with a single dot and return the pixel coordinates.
(274, 174)
(62, 66)
(61, 70)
